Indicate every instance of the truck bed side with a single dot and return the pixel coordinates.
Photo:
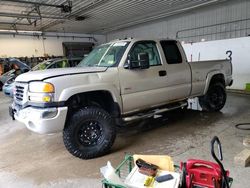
(203, 72)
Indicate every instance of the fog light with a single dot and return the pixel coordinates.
(31, 125)
(46, 99)
(41, 98)
(50, 113)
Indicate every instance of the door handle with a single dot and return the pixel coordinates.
(162, 73)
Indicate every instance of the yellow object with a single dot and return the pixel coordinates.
(148, 182)
(46, 99)
(48, 88)
(164, 162)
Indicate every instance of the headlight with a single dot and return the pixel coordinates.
(41, 87)
(41, 92)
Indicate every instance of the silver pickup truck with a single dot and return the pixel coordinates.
(121, 81)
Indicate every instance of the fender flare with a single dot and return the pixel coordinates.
(71, 91)
(209, 77)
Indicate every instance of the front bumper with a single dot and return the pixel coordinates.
(41, 120)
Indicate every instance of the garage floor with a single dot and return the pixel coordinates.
(31, 160)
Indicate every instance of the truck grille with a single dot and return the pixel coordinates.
(20, 94)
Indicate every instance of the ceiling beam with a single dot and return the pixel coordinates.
(37, 3)
(80, 11)
(28, 16)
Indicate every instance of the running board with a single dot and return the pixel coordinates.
(154, 112)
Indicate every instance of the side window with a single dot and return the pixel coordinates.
(52, 66)
(171, 51)
(62, 64)
(74, 62)
(146, 47)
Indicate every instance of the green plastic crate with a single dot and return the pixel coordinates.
(122, 171)
(247, 86)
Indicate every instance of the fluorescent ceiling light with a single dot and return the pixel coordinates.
(19, 31)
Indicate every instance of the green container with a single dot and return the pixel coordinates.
(247, 86)
(122, 171)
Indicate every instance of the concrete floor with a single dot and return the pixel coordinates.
(31, 160)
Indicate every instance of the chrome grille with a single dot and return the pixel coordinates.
(20, 93)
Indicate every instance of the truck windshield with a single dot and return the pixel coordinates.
(107, 55)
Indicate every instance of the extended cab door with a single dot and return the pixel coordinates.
(143, 88)
(168, 78)
(178, 70)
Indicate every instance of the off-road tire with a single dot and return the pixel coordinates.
(84, 141)
(214, 99)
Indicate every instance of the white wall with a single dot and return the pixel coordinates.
(20, 46)
(211, 50)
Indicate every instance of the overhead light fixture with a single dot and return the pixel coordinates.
(20, 31)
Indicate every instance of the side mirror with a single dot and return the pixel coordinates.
(142, 63)
(143, 59)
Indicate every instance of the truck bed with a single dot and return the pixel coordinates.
(202, 71)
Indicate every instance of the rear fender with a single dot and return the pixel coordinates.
(209, 77)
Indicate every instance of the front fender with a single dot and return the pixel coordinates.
(70, 91)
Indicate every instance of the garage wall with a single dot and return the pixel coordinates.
(240, 48)
(229, 19)
(20, 46)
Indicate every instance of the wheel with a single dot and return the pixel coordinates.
(1, 86)
(89, 133)
(215, 98)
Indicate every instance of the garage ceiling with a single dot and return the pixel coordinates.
(98, 16)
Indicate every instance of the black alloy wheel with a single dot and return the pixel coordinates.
(215, 98)
(89, 133)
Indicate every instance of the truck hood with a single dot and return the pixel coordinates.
(50, 73)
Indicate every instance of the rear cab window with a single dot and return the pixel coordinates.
(171, 51)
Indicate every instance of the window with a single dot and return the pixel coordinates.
(146, 47)
(74, 62)
(107, 55)
(171, 51)
(58, 64)
(62, 64)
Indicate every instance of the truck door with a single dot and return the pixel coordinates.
(143, 88)
(178, 70)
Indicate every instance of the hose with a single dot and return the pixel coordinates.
(243, 126)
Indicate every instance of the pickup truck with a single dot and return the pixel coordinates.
(118, 82)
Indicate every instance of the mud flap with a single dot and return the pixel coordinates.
(11, 113)
(194, 104)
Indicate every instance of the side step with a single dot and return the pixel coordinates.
(155, 112)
